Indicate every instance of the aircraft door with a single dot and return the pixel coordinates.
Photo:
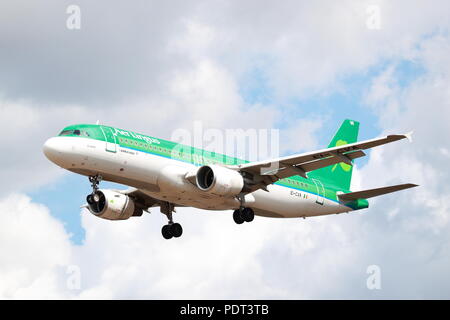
(110, 139)
(320, 191)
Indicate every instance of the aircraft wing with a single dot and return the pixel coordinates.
(270, 171)
(143, 200)
(140, 197)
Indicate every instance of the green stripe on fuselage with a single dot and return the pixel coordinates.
(192, 155)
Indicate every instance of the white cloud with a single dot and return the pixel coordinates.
(33, 247)
(421, 215)
(307, 46)
(25, 126)
(301, 135)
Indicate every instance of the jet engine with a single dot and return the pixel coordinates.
(219, 180)
(112, 205)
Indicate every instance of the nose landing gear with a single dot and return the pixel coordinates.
(95, 181)
(94, 197)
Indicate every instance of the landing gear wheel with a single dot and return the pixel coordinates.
(237, 217)
(167, 232)
(171, 229)
(248, 215)
(176, 229)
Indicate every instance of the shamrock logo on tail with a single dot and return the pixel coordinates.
(343, 165)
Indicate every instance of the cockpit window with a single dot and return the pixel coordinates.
(66, 132)
(75, 132)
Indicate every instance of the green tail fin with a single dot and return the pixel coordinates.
(339, 175)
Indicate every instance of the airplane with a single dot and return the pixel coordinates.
(165, 174)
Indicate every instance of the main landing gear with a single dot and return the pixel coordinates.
(243, 215)
(172, 229)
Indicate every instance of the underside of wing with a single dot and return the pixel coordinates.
(302, 168)
(143, 200)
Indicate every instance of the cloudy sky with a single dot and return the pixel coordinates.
(157, 66)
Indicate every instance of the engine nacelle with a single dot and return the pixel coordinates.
(219, 180)
(112, 205)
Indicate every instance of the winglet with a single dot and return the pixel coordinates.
(409, 136)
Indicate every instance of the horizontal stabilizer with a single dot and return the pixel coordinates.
(365, 194)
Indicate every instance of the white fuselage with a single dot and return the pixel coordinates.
(164, 179)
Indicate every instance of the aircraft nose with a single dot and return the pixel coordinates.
(61, 151)
(51, 149)
(57, 150)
